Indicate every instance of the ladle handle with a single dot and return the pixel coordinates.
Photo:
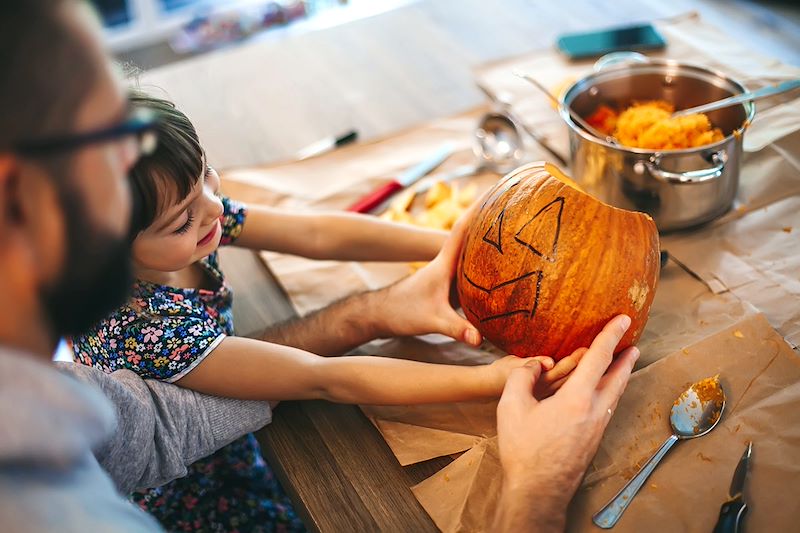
(608, 515)
(747, 96)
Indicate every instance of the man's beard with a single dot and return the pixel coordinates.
(96, 277)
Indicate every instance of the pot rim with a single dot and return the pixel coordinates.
(750, 108)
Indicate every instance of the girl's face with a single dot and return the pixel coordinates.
(184, 232)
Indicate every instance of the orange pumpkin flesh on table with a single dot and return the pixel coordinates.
(545, 266)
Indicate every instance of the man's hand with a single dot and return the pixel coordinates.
(553, 375)
(500, 370)
(553, 378)
(420, 303)
(545, 446)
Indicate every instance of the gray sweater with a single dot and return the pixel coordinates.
(73, 440)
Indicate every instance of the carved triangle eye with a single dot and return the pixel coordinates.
(494, 234)
(540, 233)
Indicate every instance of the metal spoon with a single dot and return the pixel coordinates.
(572, 114)
(748, 96)
(696, 412)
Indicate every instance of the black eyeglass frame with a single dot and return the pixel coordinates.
(140, 122)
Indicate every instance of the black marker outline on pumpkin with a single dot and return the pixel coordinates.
(499, 222)
(554, 252)
(502, 284)
(531, 312)
(499, 244)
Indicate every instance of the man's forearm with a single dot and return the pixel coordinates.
(416, 305)
(523, 509)
(162, 428)
(336, 329)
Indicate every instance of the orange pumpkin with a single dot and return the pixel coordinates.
(544, 266)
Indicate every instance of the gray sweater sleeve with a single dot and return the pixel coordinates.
(162, 428)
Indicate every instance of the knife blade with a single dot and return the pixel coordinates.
(732, 511)
(410, 176)
(461, 172)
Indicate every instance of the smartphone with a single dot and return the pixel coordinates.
(597, 43)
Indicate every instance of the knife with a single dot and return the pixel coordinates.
(409, 177)
(733, 510)
(426, 184)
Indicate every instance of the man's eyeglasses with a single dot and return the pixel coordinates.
(140, 124)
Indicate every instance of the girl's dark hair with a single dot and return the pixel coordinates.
(168, 175)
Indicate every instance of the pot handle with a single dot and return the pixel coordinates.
(690, 176)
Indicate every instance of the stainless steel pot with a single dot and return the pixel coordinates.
(678, 188)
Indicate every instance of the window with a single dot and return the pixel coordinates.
(132, 24)
(135, 23)
(113, 12)
(172, 5)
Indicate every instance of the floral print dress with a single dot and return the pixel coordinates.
(163, 333)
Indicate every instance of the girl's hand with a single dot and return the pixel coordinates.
(553, 376)
(499, 370)
(421, 303)
(552, 379)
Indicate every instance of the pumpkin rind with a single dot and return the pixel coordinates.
(545, 266)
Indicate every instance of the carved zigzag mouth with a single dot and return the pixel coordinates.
(530, 311)
(502, 284)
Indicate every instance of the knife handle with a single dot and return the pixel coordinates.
(375, 198)
(730, 517)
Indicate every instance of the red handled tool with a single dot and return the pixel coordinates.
(407, 178)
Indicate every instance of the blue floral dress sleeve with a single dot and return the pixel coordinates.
(233, 216)
(162, 333)
(165, 332)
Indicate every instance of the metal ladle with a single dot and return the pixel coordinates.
(498, 144)
(696, 412)
(497, 147)
(503, 101)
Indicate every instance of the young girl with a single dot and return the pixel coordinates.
(178, 327)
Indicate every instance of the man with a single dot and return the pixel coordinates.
(72, 441)
(66, 143)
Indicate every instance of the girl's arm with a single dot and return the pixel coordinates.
(257, 370)
(341, 236)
